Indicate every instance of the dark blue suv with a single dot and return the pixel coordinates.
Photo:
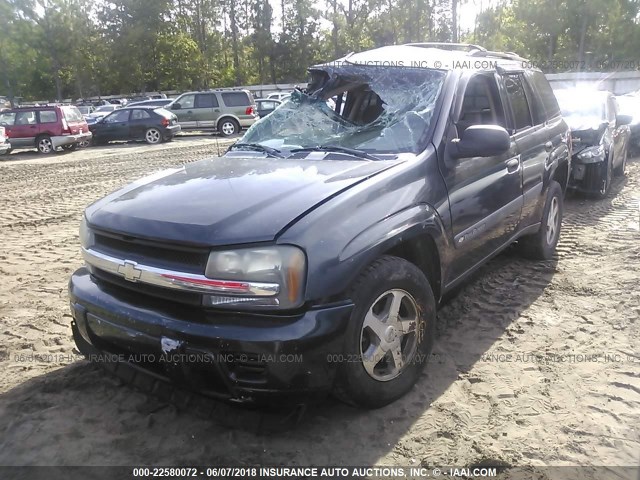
(312, 256)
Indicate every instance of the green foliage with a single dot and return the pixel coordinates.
(57, 49)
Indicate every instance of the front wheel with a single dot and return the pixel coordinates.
(390, 334)
(542, 245)
(44, 144)
(153, 136)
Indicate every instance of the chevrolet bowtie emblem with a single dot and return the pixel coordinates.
(130, 271)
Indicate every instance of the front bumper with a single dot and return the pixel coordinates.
(61, 140)
(234, 356)
(587, 176)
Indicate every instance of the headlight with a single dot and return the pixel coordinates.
(594, 154)
(86, 235)
(258, 277)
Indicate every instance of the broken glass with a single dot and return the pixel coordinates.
(369, 108)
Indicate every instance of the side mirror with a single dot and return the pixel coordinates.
(176, 106)
(623, 120)
(481, 141)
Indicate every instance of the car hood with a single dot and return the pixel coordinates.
(227, 200)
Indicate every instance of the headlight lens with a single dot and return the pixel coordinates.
(86, 235)
(274, 276)
(592, 153)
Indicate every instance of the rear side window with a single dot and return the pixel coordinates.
(48, 116)
(518, 101)
(140, 115)
(206, 100)
(547, 96)
(236, 99)
(72, 114)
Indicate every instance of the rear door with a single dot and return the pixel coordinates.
(24, 130)
(207, 110)
(139, 122)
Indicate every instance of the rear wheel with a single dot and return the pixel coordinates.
(153, 136)
(228, 127)
(44, 144)
(541, 245)
(390, 334)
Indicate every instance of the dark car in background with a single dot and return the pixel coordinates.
(266, 105)
(599, 136)
(151, 124)
(630, 105)
(311, 257)
(46, 128)
(158, 102)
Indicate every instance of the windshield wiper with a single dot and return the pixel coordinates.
(336, 148)
(274, 152)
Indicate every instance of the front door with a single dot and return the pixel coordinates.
(206, 110)
(184, 110)
(485, 193)
(116, 126)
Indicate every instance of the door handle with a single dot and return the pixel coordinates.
(512, 165)
(548, 146)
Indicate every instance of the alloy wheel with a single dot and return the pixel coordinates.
(388, 339)
(45, 145)
(152, 136)
(228, 128)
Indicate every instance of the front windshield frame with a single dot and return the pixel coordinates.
(414, 119)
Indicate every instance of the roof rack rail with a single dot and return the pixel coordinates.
(469, 47)
(503, 55)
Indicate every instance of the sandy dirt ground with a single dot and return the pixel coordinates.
(536, 363)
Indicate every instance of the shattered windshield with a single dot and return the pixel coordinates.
(373, 109)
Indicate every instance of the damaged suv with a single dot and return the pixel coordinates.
(312, 256)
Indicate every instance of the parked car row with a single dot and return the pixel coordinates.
(148, 123)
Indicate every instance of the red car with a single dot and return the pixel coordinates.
(46, 127)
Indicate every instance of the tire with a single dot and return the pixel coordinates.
(542, 245)
(84, 143)
(379, 381)
(44, 144)
(607, 177)
(620, 169)
(153, 136)
(228, 127)
(70, 148)
(5, 155)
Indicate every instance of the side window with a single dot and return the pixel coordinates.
(116, 117)
(518, 101)
(537, 108)
(7, 119)
(187, 101)
(48, 116)
(26, 118)
(206, 100)
(140, 115)
(235, 99)
(481, 104)
(541, 85)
